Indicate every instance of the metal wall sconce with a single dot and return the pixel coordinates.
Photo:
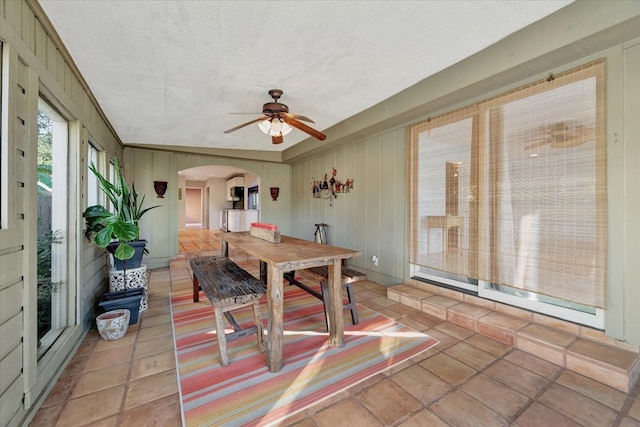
(275, 191)
(160, 187)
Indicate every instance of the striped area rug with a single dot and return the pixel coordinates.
(246, 393)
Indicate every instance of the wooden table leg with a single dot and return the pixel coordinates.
(275, 325)
(263, 272)
(335, 315)
(224, 248)
(196, 289)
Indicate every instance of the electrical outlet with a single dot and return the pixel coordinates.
(374, 260)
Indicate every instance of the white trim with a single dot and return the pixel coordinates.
(415, 272)
(595, 320)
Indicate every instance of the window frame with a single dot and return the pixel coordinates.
(592, 316)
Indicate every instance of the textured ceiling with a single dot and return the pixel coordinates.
(169, 72)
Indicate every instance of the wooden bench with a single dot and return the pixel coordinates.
(228, 287)
(349, 277)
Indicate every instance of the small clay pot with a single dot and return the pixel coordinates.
(112, 325)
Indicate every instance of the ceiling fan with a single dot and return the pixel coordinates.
(277, 121)
(565, 134)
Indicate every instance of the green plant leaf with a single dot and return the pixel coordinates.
(123, 230)
(104, 226)
(124, 251)
(103, 237)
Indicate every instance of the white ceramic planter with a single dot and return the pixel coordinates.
(112, 325)
(134, 278)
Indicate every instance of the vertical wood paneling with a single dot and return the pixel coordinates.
(52, 58)
(401, 268)
(274, 175)
(350, 203)
(339, 207)
(320, 209)
(60, 68)
(158, 168)
(302, 199)
(374, 177)
(28, 28)
(308, 174)
(295, 196)
(389, 210)
(68, 79)
(74, 91)
(631, 138)
(371, 217)
(333, 231)
(360, 197)
(299, 203)
(40, 43)
(306, 201)
(93, 118)
(316, 175)
(13, 13)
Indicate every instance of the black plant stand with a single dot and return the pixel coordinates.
(129, 299)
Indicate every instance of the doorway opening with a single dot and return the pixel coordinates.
(207, 194)
(193, 208)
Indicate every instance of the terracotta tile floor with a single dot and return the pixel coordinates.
(467, 380)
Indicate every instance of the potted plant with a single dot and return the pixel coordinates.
(117, 231)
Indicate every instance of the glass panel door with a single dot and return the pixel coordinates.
(544, 178)
(508, 197)
(52, 226)
(443, 218)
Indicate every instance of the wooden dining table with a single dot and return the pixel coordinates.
(289, 255)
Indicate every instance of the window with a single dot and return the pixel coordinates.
(93, 193)
(112, 180)
(53, 292)
(509, 196)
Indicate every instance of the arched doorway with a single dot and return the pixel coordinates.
(204, 198)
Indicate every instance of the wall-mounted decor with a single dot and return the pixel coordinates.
(329, 188)
(160, 187)
(179, 193)
(275, 191)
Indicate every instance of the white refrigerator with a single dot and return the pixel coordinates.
(241, 219)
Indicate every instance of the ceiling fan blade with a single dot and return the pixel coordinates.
(304, 128)
(278, 139)
(259, 119)
(297, 117)
(243, 114)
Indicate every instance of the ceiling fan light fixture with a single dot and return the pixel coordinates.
(274, 127)
(277, 121)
